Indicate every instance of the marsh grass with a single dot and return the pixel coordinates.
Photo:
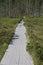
(35, 31)
(7, 28)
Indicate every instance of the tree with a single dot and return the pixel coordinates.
(40, 3)
(10, 8)
(33, 6)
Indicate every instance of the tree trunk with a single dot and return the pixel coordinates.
(10, 8)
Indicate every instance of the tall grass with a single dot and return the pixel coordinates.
(7, 28)
(35, 31)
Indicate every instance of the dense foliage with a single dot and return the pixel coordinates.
(15, 8)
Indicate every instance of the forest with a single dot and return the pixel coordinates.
(17, 8)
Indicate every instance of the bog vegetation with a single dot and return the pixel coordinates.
(35, 31)
(7, 28)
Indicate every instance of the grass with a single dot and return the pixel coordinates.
(34, 28)
(7, 28)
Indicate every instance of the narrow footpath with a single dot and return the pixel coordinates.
(16, 53)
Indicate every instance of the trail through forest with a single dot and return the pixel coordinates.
(16, 53)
